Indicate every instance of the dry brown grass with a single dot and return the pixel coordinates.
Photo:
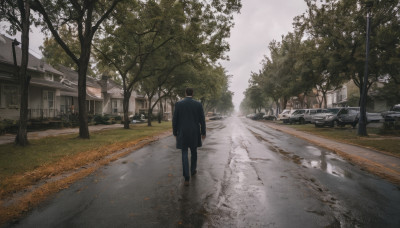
(14, 207)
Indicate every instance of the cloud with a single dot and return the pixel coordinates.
(259, 22)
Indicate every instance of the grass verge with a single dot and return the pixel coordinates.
(384, 143)
(21, 167)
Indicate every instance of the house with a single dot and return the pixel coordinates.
(103, 96)
(142, 106)
(349, 95)
(45, 90)
(53, 93)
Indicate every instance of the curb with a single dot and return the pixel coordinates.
(373, 167)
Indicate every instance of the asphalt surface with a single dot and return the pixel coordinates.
(249, 175)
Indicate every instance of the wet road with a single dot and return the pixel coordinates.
(248, 176)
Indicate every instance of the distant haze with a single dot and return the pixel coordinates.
(259, 22)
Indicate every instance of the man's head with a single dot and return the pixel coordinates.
(189, 92)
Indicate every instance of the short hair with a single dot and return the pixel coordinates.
(189, 91)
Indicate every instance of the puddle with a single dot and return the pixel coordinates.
(327, 167)
(313, 150)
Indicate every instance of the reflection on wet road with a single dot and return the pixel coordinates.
(248, 176)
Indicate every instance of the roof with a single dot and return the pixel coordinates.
(116, 92)
(6, 56)
(49, 84)
(72, 76)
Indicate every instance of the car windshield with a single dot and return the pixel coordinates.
(299, 111)
(396, 108)
(333, 110)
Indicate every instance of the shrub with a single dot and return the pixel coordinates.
(98, 119)
(7, 126)
(390, 128)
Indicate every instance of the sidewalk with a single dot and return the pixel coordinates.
(378, 163)
(9, 138)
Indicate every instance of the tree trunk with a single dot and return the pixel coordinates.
(172, 106)
(284, 103)
(82, 70)
(161, 111)
(125, 105)
(149, 113)
(149, 116)
(22, 136)
(324, 99)
(277, 107)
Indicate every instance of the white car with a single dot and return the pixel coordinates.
(285, 115)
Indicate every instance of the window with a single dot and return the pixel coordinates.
(49, 77)
(10, 96)
(48, 99)
(353, 111)
(115, 106)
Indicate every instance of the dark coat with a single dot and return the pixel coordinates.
(188, 123)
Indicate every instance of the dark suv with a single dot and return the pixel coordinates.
(328, 118)
(258, 116)
(393, 114)
(348, 115)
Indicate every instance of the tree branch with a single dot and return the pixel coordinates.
(46, 18)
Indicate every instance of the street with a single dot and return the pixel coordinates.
(249, 175)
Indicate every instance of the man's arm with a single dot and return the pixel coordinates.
(202, 123)
(175, 121)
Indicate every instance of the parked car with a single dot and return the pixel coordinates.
(328, 118)
(393, 114)
(351, 115)
(310, 113)
(250, 116)
(344, 116)
(348, 115)
(269, 117)
(298, 116)
(215, 118)
(258, 116)
(285, 114)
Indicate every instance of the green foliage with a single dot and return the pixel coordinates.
(156, 41)
(390, 92)
(327, 49)
(8, 126)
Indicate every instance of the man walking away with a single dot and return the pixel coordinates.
(189, 128)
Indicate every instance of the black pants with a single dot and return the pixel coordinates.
(185, 161)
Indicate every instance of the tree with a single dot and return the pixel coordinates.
(390, 93)
(256, 98)
(86, 17)
(18, 14)
(317, 69)
(225, 105)
(55, 55)
(142, 28)
(184, 30)
(342, 25)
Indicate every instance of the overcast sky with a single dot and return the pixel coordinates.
(259, 22)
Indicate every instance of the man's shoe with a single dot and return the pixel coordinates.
(186, 183)
(194, 173)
